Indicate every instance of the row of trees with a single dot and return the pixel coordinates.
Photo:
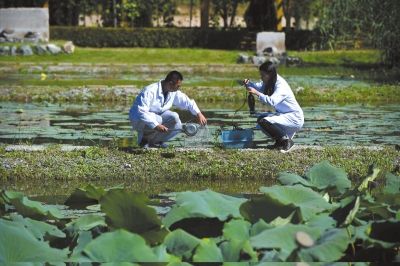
(373, 21)
(259, 15)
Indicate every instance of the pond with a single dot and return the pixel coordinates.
(90, 124)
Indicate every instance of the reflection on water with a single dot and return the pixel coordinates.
(94, 124)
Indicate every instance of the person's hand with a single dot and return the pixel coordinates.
(253, 91)
(161, 128)
(202, 119)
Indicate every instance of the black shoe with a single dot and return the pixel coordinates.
(276, 146)
(286, 145)
(143, 143)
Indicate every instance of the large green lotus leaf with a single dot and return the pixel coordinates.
(236, 250)
(260, 226)
(237, 230)
(30, 208)
(327, 177)
(129, 210)
(207, 251)
(17, 244)
(330, 247)
(292, 179)
(84, 238)
(282, 238)
(323, 221)
(85, 223)
(88, 195)
(392, 185)
(309, 201)
(119, 246)
(37, 228)
(162, 255)
(265, 208)
(180, 243)
(203, 204)
(347, 211)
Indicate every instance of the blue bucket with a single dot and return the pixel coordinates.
(237, 138)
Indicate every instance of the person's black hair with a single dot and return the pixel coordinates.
(174, 76)
(270, 69)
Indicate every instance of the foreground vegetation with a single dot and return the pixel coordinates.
(55, 172)
(320, 216)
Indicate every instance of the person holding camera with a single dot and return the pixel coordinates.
(274, 91)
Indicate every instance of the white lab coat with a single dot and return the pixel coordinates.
(289, 114)
(150, 102)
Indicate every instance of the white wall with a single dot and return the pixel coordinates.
(23, 20)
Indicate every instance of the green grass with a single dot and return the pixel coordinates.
(186, 56)
(53, 172)
(132, 56)
(339, 57)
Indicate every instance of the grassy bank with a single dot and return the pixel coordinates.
(204, 94)
(186, 56)
(54, 172)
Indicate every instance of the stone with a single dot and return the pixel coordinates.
(25, 50)
(4, 50)
(53, 49)
(40, 49)
(13, 50)
(69, 47)
(243, 59)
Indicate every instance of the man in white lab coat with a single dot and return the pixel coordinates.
(150, 115)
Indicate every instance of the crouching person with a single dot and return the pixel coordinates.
(150, 114)
(274, 91)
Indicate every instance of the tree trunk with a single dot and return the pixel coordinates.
(204, 13)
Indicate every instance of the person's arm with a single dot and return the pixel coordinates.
(144, 104)
(278, 96)
(183, 102)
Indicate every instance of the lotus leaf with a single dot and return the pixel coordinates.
(346, 213)
(237, 230)
(203, 204)
(323, 221)
(324, 176)
(84, 238)
(293, 179)
(309, 201)
(88, 195)
(328, 248)
(85, 223)
(37, 228)
(17, 244)
(282, 238)
(128, 210)
(260, 226)
(236, 250)
(30, 208)
(266, 208)
(392, 185)
(119, 246)
(180, 243)
(207, 251)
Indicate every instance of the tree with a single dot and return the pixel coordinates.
(204, 13)
(226, 9)
(371, 21)
(261, 15)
